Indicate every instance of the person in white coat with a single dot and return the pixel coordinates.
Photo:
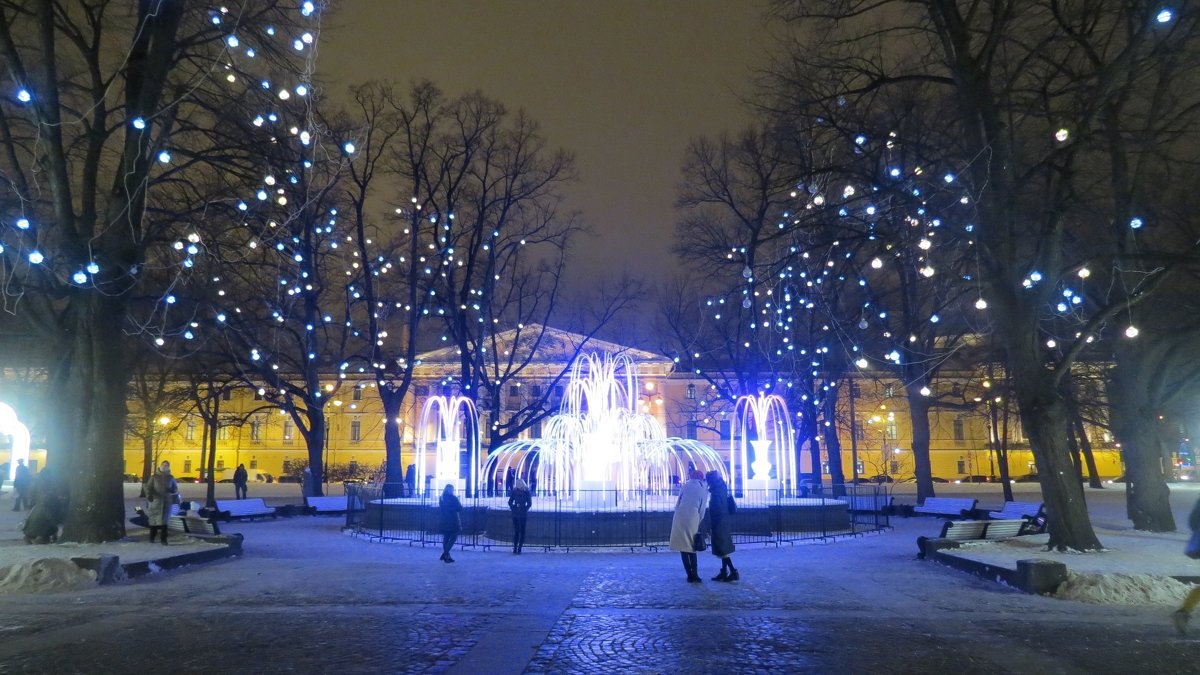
(689, 513)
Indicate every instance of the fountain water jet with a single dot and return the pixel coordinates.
(765, 427)
(448, 423)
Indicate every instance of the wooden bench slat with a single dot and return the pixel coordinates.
(946, 506)
(244, 508)
(1017, 510)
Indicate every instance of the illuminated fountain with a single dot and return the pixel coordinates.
(447, 427)
(764, 427)
(599, 442)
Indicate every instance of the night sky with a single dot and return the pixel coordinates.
(622, 83)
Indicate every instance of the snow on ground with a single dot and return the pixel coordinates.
(1134, 569)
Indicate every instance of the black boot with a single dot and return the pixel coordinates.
(733, 573)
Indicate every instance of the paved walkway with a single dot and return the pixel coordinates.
(307, 598)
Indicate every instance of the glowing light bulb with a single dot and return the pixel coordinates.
(79, 278)
(861, 363)
(925, 391)
(93, 268)
(22, 223)
(24, 96)
(1136, 223)
(138, 123)
(1084, 273)
(1062, 135)
(981, 304)
(1164, 16)
(1131, 332)
(349, 148)
(36, 257)
(232, 41)
(876, 263)
(164, 157)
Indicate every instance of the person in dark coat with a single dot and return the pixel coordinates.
(410, 481)
(510, 478)
(451, 522)
(22, 481)
(1181, 616)
(239, 482)
(720, 510)
(519, 503)
(49, 509)
(308, 484)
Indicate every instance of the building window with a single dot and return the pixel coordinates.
(895, 466)
(692, 428)
(355, 430)
(691, 392)
(187, 466)
(223, 433)
(855, 390)
(220, 465)
(891, 429)
(860, 433)
(256, 429)
(960, 433)
(535, 390)
(725, 430)
(289, 431)
(258, 394)
(357, 394)
(253, 462)
(189, 430)
(226, 394)
(862, 467)
(514, 391)
(825, 468)
(962, 466)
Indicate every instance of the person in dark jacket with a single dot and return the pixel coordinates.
(519, 503)
(239, 482)
(22, 481)
(451, 522)
(720, 509)
(49, 509)
(1181, 616)
(510, 478)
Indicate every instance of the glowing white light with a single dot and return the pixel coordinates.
(307, 8)
(1084, 273)
(925, 391)
(1062, 135)
(138, 123)
(23, 223)
(1035, 276)
(349, 148)
(1136, 223)
(876, 263)
(949, 178)
(981, 304)
(927, 272)
(1051, 343)
(93, 268)
(1165, 16)
(861, 363)
(924, 244)
(164, 157)
(1131, 332)
(284, 94)
(24, 96)
(36, 257)
(301, 90)
(79, 278)
(232, 41)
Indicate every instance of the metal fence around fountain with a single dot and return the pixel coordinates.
(608, 519)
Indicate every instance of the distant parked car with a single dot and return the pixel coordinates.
(938, 479)
(974, 479)
(1027, 478)
(288, 479)
(1118, 479)
(254, 476)
(132, 478)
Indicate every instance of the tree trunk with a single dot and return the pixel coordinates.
(833, 448)
(918, 410)
(393, 480)
(1149, 505)
(316, 449)
(147, 456)
(210, 454)
(88, 441)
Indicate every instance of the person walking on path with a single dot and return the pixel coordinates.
(720, 509)
(519, 503)
(239, 482)
(1181, 616)
(162, 493)
(451, 522)
(22, 481)
(685, 524)
(510, 478)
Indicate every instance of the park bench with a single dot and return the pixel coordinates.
(977, 530)
(331, 505)
(869, 503)
(244, 508)
(192, 525)
(947, 506)
(1017, 511)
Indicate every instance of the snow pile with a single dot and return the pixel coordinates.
(45, 575)
(1122, 589)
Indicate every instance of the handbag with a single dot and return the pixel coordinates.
(698, 542)
(1193, 546)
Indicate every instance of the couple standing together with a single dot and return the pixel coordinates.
(704, 509)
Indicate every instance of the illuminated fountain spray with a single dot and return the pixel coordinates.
(764, 427)
(447, 426)
(10, 425)
(600, 441)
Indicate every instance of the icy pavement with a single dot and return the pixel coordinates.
(307, 598)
